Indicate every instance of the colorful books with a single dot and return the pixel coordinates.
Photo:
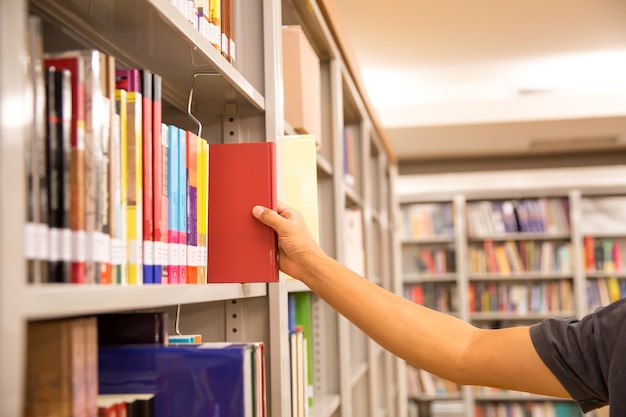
(173, 204)
(240, 248)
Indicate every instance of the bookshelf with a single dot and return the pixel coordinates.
(234, 103)
(509, 273)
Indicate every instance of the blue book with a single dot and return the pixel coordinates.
(182, 205)
(172, 219)
(205, 380)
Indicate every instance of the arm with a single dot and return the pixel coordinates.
(436, 342)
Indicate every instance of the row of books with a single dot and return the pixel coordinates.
(603, 291)
(602, 254)
(215, 20)
(102, 363)
(439, 260)
(421, 382)
(117, 196)
(301, 353)
(542, 215)
(427, 220)
(438, 296)
(538, 297)
(521, 256)
(527, 409)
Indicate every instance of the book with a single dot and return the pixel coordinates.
(173, 206)
(147, 142)
(58, 155)
(36, 228)
(159, 182)
(129, 80)
(192, 208)
(191, 380)
(240, 248)
(202, 208)
(133, 328)
(302, 83)
(182, 206)
(118, 166)
(297, 155)
(353, 240)
(73, 62)
(303, 320)
(65, 385)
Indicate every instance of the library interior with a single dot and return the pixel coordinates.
(461, 166)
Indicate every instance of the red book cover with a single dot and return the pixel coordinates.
(240, 248)
(159, 183)
(590, 258)
(147, 176)
(73, 62)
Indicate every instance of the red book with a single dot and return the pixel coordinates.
(240, 248)
(590, 258)
(159, 183)
(147, 176)
(74, 62)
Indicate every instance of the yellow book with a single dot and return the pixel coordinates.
(202, 208)
(297, 159)
(134, 195)
(118, 244)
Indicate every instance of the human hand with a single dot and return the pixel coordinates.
(296, 246)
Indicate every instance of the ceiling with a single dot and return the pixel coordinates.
(459, 79)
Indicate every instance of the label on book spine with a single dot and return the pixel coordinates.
(148, 252)
(42, 232)
(79, 246)
(55, 244)
(30, 242)
(65, 252)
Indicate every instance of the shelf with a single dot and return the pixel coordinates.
(352, 197)
(294, 285)
(428, 398)
(428, 240)
(514, 396)
(60, 300)
(521, 236)
(324, 167)
(419, 278)
(513, 316)
(325, 405)
(139, 33)
(605, 274)
(519, 276)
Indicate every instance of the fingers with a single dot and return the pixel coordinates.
(268, 217)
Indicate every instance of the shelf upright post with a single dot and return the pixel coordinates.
(15, 121)
(278, 383)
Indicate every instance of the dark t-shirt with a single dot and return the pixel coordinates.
(588, 356)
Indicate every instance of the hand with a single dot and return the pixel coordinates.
(296, 246)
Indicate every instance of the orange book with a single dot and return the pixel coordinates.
(240, 248)
(504, 267)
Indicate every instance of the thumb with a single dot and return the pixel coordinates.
(268, 217)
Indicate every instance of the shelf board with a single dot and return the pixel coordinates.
(428, 240)
(352, 197)
(294, 285)
(486, 316)
(436, 397)
(64, 300)
(522, 236)
(519, 276)
(324, 167)
(325, 405)
(418, 278)
(153, 34)
(358, 374)
(514, 396)
(606, 274)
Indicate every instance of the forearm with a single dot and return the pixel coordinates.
(437, 342)
(427, 338)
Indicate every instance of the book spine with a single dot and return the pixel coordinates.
(120, 242)
(202, 208)
(172, 184)
(192, 208)
(182, 206)
(134, 194)
(164, 204)
(147, 176)
(157, 179)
